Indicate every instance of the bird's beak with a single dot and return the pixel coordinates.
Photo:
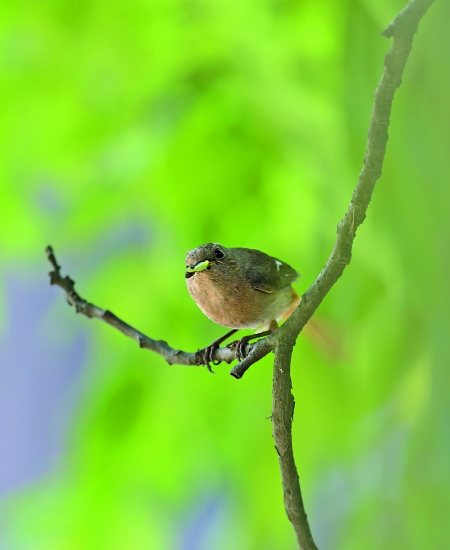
(198, 266)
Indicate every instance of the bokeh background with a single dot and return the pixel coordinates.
(134, 131)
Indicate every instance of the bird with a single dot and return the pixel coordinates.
(240, 288)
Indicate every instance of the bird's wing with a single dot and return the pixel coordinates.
(269, 274)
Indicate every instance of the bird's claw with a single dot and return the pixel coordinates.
(208, 366)
(208, 356)
(239, 346)
(208, 352)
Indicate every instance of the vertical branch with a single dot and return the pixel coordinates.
(402, 30)
(282, 415)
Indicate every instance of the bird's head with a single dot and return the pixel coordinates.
(205, 257)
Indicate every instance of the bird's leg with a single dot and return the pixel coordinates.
(240, 344)
(208, 352)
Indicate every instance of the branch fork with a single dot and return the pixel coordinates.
(402, 30)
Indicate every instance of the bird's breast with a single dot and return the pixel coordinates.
(234, 303)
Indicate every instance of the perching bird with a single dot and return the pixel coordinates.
(240, 288)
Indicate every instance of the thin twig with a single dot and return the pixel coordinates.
(171, 355)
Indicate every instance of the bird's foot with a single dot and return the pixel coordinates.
(241, 344)
(208, 352)
(208, 355)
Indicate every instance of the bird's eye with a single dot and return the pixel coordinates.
(218, 253)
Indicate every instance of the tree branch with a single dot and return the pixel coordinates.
(402, 30)
(171, 355)
(282, 415)
(394, 63)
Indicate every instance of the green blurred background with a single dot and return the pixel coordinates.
(133, 132)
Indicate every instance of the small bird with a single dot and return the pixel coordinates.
(240, 288)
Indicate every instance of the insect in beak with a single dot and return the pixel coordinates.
(199, 266)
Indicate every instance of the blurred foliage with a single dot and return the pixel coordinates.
(133, 132)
